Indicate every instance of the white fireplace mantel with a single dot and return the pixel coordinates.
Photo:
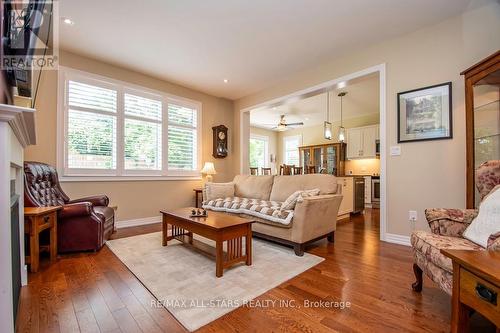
(22, 122)
(17, 131)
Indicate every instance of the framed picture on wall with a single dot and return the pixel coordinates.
(425, 114)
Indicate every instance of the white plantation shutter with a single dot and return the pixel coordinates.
(182, 137)
(143, 133)
(292, 144)
(91, 136)
(91, 97)
(114, 129)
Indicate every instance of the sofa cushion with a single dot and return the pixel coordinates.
(255, 187)
(218, 190)
(268, 210)
(284, 186)
(430, 246)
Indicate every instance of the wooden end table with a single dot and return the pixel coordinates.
(476, 286)
(197, 193)
(217, 226)
(37, 219)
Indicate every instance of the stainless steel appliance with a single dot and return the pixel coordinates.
(377, 147)
(375, 191)
(359, 194)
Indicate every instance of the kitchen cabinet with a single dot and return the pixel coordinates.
(361, 142)
(326, 158)
(347, 204)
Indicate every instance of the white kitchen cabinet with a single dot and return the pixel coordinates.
(347, 204)
(354, 142)
(361, 142)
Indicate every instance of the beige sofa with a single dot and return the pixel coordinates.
(313, 218)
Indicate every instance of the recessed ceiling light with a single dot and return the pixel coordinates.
(226, 80)
(274, 108)
(67, 20)
(307, 118)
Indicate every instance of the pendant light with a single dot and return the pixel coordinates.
(327, 127)
(341, 129)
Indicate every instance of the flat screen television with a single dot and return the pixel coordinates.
(26, 39)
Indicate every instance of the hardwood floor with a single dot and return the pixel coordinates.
(95, 292)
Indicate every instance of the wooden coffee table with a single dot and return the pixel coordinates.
(219, 227)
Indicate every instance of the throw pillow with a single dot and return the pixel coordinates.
(308, 193)
(487, 222)
(290, 202)
(213, 191)
(298, 196)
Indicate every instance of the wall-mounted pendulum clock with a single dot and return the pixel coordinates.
(219, 141)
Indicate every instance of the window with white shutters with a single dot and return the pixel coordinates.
(182, 137)
(91, 136)
(113, 128)
(291, 149)
(143, 133)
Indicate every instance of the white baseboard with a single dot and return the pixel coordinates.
(137, 222)
(397, 239)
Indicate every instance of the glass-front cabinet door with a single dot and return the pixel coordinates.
(482, 95)
(331, 160)
(318, 158)
(305, 157)
(486, 124)
(326, 158)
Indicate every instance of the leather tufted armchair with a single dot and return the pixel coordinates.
(83, 224)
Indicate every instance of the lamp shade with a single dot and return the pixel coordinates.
(327, 130)
(341, 134)
(208, 169)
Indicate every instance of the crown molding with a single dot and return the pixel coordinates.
(22, 122)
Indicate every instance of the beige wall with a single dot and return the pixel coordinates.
(427, 174)
(135, 199)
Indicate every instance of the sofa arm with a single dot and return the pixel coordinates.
(449, 222)
(96, 200)
(75, 210)
(315, 217)
(494, 242)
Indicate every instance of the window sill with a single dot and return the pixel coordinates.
(63, 179)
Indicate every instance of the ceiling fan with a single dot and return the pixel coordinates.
(282, 125)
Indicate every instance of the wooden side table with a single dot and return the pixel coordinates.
(197, 193)
(37, 219)
(476, 286)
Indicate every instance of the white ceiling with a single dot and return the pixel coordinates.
(251, 43)
(362, 99)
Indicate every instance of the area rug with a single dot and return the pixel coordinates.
(183, 280)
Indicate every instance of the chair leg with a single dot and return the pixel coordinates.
(331, 237)
(299, 249)
(417, 285)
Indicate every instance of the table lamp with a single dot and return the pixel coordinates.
(209, 170)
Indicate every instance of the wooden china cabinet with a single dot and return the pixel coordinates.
(328, 157)
(482, 110)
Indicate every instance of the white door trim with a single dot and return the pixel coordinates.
(381, 70)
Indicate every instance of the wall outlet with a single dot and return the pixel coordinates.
(412, 215)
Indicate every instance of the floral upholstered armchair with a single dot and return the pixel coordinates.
(447, 227)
